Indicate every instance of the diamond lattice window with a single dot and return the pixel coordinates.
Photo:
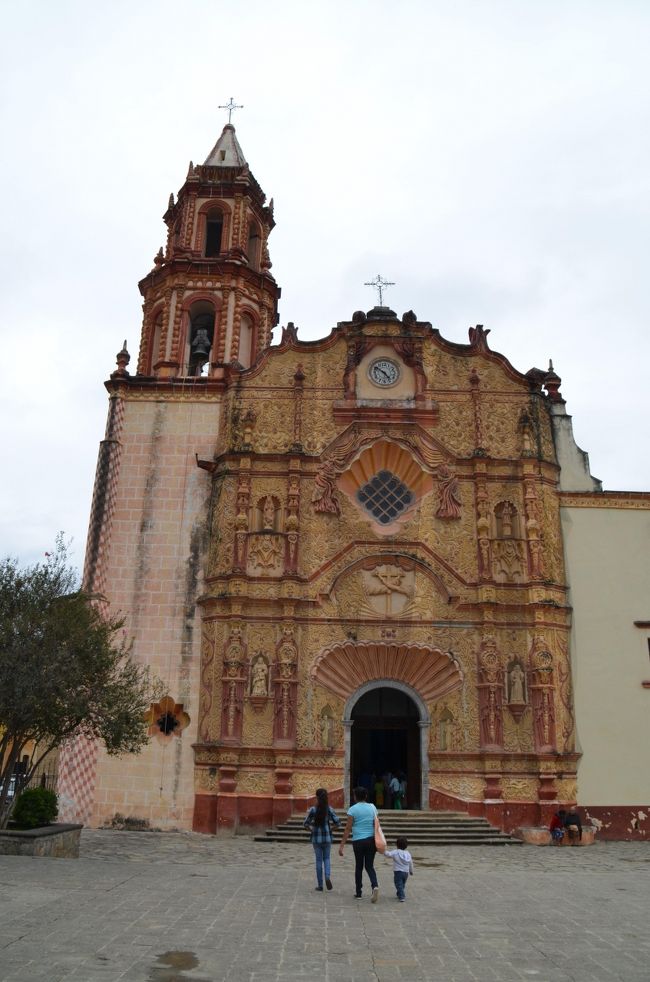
(385, 497)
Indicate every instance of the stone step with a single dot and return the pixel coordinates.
(502, 840)
(421, 829)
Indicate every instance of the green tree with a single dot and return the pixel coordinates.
(65, 669)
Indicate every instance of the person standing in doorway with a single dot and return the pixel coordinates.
(319, 821)
(394, 790)
(361, 826)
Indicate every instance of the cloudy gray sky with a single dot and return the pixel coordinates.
(489, 156)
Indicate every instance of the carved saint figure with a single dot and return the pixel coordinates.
(450, 501)
(516, 679)
(259, 677)
(507, 516)
(324, 498)
(327, 731)
(268, 514)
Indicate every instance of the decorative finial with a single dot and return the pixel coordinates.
(122, 358)
(289, 333)
(231, 106)
(380, 285)
(159, 258)
(190, 169)
(552, 383)
(171, 200)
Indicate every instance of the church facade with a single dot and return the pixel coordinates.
(347, 556)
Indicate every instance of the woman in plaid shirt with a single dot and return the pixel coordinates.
(319, 821)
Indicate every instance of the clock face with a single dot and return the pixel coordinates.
(384, 372)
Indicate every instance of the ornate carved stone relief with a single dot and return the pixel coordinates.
(542, 690)
(324, 498)
(490, 695)
(385, 589)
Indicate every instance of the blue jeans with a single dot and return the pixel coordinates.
(322, 857)
(364, 855)
(400, 879)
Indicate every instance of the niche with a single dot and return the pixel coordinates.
(267, 517)
(507, 520)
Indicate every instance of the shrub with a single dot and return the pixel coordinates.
(35, 807)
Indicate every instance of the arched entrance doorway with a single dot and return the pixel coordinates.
(386, 739)
(387, 729)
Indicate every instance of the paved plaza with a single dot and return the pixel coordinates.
(177, 907)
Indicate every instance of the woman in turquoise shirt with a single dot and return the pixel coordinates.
(361, 824)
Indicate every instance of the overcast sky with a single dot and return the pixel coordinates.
(489, 157)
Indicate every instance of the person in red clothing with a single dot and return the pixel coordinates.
(556, 827)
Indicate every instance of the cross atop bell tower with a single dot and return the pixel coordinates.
(210, 298)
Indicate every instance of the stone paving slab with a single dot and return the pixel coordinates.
(177, 907)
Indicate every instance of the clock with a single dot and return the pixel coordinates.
(384, 372)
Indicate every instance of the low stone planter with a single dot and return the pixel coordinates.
(536, 836)
(58, 841)
(533, 836)
(588, 837)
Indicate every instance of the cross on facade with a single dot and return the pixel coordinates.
(231, 106)
(379, 285)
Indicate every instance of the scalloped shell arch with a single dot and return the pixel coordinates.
(386, 458)
(342, 668)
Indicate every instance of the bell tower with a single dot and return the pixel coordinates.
(210, 298)
(210, 304)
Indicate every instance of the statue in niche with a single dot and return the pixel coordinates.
(324, 498)
(260, 677)
(449, 500)
(507, 517)
(327, 734)
(268, 514)
(516, 684)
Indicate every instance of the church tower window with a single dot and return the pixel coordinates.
(154, 351)
(253, 246)
(213, 233)
(245, 356)
(201, 336)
